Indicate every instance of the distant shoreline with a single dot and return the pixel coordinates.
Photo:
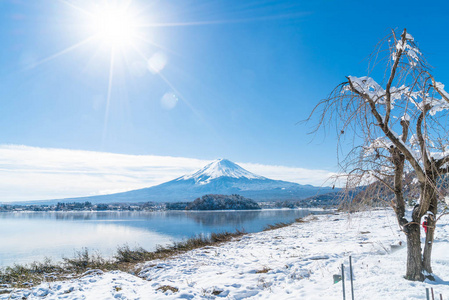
(139, 207)
(330, 209)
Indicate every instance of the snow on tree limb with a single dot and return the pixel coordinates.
(367, 86)
(439, 87)
(405, 45)
(408, 100)
(403, 100)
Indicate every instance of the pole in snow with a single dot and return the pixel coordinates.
(350, 273)
(343, 280)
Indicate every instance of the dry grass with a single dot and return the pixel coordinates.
(127, 255)
(84, 260)
(264, 270)
(283, 224)
(27, 275)
(277, 225)
(125, 259)
(166, 288)
(216, 292)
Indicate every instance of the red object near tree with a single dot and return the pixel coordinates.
(424, 225)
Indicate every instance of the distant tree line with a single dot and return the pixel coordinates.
(206, 202)
(84, 206)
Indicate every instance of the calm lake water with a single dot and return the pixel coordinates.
(31, 236)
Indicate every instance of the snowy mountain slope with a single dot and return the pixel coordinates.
(219, 177)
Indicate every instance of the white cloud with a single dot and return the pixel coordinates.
(32, 173)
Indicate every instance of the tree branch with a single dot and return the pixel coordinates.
(393, 138)
(434, 85)
(392, 76)
(440, 162)
(443, 170)
(421, 140)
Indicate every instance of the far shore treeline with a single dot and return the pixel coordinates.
(206, 202)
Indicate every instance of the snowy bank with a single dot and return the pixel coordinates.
(294, 262)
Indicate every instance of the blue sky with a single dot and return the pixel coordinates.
(235, 77)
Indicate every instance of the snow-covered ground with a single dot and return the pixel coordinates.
(294, 262)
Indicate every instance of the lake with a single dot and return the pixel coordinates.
(31, 236)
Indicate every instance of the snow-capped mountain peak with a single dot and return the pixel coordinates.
(218, 177)
(220, 168)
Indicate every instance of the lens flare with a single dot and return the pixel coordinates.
(157, 62)
(169, 101)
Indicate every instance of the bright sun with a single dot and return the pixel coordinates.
(115, 26)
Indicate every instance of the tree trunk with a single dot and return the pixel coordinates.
(431, 193)
(414, 261)
(427, 255)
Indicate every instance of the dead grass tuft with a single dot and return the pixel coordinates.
(166, 288)
(276, 226)
(264, 270)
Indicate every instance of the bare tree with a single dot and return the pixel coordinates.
(398, 129)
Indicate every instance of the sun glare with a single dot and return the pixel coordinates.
(115, 26)
(119, 33)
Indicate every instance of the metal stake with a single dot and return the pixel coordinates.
(350, 273)
(343, 280)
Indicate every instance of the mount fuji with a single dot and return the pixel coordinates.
(219, 177)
